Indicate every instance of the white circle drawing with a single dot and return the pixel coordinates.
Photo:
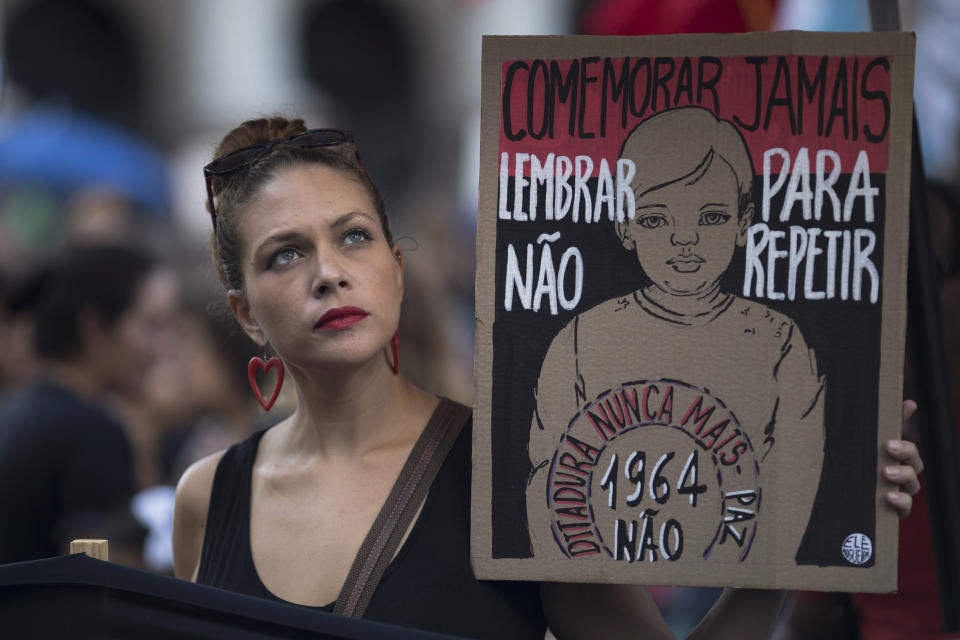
(857, 548)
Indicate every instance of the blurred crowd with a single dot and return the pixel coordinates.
(120, 362)
(115, 339)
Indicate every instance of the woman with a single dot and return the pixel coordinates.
(98, 314)
(302, 244)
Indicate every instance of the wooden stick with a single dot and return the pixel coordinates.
(94, 548)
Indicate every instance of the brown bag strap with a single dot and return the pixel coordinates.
(401, 506)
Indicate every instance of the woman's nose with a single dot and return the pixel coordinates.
(330, 273)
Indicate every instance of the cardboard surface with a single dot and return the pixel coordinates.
(691, 265)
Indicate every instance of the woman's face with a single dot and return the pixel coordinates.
(132, 346)
(322, 286)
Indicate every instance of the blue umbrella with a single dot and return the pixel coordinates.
(64, 150)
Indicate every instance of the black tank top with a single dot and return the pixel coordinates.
(429, 584)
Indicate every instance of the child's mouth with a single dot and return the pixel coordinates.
(686, 263)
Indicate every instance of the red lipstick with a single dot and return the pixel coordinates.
(340, 318)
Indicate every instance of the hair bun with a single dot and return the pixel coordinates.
(259, 131)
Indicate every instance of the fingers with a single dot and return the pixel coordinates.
(909, 406)
(905, 452)
(900, 501)
(904, 476)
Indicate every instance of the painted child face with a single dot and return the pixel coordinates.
(685, 233)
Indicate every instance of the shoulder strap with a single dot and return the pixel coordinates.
(401, 506)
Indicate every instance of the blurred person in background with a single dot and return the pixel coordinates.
(194, 401)
(17, 363)
(204, 393)
(431, 360)
(100, 316)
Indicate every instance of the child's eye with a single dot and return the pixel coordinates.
(284, 256)
(651, 222)
(711, 218)
(353, 236)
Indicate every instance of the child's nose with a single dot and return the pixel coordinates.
(684, 237)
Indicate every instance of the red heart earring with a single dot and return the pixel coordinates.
(396, 352)
(257, 362)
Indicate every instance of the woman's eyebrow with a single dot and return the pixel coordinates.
(282, 237)
(350, 215)
(651, 206)
(713, 204)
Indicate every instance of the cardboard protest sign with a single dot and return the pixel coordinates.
(691, 308)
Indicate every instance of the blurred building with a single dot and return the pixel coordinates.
(403, 75)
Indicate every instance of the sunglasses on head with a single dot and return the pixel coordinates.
(227, 164)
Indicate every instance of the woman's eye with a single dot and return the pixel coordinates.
(284, 256)
(710, 218)
(651, 222)
(355, 235)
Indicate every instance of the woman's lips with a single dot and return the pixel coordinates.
(340, 318)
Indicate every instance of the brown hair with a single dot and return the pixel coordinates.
(679, 144)
(235, 190)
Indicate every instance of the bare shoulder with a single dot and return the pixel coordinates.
(193, 489)
(190, 514)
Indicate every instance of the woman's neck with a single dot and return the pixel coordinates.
(352, 412)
